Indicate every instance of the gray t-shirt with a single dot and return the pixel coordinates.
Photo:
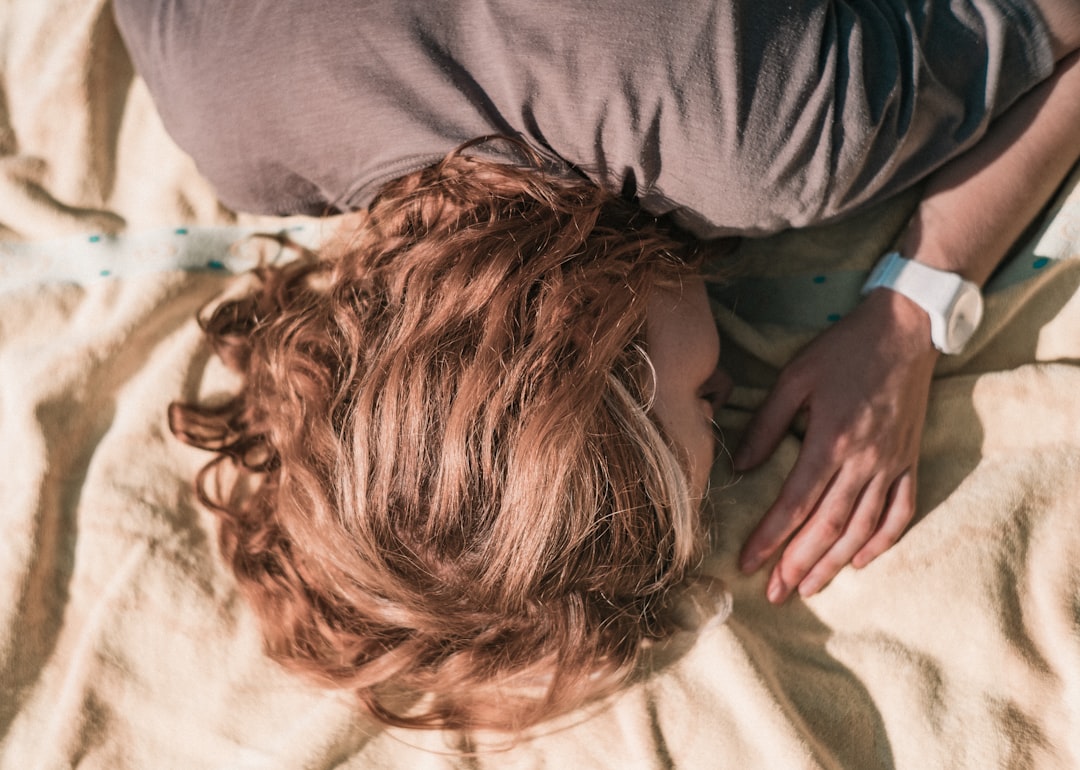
(743, 116)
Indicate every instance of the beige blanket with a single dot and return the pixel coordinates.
(123, 643)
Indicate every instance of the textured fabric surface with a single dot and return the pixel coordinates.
(124, 644)
(744, 115)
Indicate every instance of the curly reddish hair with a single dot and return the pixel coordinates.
(441, 486)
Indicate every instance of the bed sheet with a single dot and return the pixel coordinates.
(123, 640)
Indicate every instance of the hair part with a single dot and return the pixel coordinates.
(441, 486)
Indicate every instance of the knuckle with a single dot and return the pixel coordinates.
(863, 454)
(839, 447)
(861, 528)
(905, 508)
(793, 570)
(832, 526)
(893, 534)
(791, 509)
(875, 455)
(903, 518)
(887, 538)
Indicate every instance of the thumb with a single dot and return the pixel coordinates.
(769, 424)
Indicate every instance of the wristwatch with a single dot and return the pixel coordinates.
(955, 306)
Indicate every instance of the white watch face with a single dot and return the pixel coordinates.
(963, 320)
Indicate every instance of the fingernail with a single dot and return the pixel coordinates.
(777, 590)
(809, 587)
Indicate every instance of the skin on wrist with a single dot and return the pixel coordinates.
(906, 319)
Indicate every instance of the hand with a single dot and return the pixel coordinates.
(863, 384)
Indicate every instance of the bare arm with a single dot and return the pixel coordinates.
(851, 493)
(1063, 22)
(975, 207)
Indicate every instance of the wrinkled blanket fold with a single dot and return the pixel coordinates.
(123, 640)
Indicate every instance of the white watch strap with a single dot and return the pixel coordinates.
(930, 288)
(935, 291)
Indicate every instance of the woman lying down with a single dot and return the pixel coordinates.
(466, 468)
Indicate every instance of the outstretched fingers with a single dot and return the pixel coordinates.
(870, 508)
(853, 522)
(809, 480)
(898, 515)
(848, 508)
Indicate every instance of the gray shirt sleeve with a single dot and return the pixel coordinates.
(741, 116)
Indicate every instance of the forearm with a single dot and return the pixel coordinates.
(975, 207)
(1063, 24)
